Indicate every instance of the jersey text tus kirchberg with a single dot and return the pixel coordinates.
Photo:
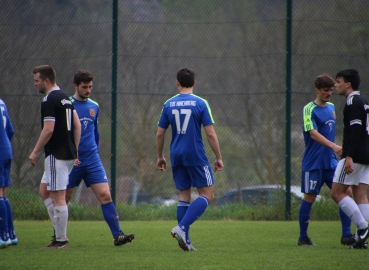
(183, 103)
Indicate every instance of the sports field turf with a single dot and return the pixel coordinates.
(221, 245)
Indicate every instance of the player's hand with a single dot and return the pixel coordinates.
(32, 158)
(348, 165)
(337, 150)
(77, 162)
(218, 165)
(162, 164)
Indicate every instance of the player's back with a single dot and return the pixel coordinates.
(356, 112)
(6, 133)
(88, 112)
(186, 113)
(57, 107)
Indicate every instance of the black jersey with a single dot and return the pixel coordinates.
(57, 107)
(356, 129)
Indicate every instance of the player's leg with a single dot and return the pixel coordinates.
(57, 172)
(347, 238)
(96, 178)
(341, 183)
(4, 235)
(311, 183)
(182, 182)
(202, 178)
(182, 206)
(9, 210)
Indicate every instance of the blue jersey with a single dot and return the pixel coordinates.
(88, 113)
(186, 113)
(322, 119)
(6, 133)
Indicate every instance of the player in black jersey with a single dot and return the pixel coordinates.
(353, 168)
(60, 136)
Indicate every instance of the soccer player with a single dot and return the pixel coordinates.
(91, 169)
(60, 136)
(7, 233)
(353, 169)
(319, 161)
(186, 113)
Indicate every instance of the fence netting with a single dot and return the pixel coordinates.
(238, 52)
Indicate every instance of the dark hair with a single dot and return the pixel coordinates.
(82, 76)
(186, 77)
(46, 72)
(351, 76)
(324, 81)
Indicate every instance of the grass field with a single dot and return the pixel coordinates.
(221, 245)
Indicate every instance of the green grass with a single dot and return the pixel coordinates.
(221, 245)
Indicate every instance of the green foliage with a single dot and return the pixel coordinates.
(220, 245)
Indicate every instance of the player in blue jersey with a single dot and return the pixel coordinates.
(91, 169)
(319, 161)
(7, 233)
(186, 113)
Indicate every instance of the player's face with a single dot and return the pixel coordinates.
(341, 87)
(39, 83)
(324, 94)
(83, 90)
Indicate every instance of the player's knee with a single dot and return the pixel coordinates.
(309, 197)
(104, 197)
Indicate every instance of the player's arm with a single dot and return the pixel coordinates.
(319, 138)
(161, 162)
(96, 130)
(214, 144)
(45, 136)
(9, 126)
(354, 113)
(76, 129)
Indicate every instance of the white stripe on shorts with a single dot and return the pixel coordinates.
(207, 175)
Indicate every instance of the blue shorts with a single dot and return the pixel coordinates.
(5, 179)
(91, 173)
(195, 176)
(312, 181)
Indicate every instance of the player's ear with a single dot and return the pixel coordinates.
(194, 83)
(75, 86)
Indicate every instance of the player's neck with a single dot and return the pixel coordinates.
(184, 90)
(320, 103)
(77, 97)
(50, 88)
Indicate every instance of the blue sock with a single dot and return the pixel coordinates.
(346, 224)
(181, 211)
(196, 209)
(3, 221)
(9, 211)
(304, 218)
(111, 217)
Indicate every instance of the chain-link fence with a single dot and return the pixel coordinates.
(238, 52)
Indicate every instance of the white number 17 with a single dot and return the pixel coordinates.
(187, 112)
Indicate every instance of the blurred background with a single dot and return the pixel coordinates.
(238, 52)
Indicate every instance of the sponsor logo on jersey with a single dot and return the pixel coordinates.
(65, 101)
(92, 112)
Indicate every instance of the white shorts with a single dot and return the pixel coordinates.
(56, 174)
(359, 175)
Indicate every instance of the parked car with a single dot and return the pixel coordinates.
(260, 195)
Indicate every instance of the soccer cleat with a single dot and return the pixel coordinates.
(362, 235)
(14, 241)
(180, 235)
(191, 247)
(362, 246)
(53, 239)
(348, 240)
(5, 244)
(122, 239)
(58, 244)
(306, 241)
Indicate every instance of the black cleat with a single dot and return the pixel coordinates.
(362, 235)
(53, 239)
(58, 244)
(306, 241)
(348, 240)
(123, 239)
